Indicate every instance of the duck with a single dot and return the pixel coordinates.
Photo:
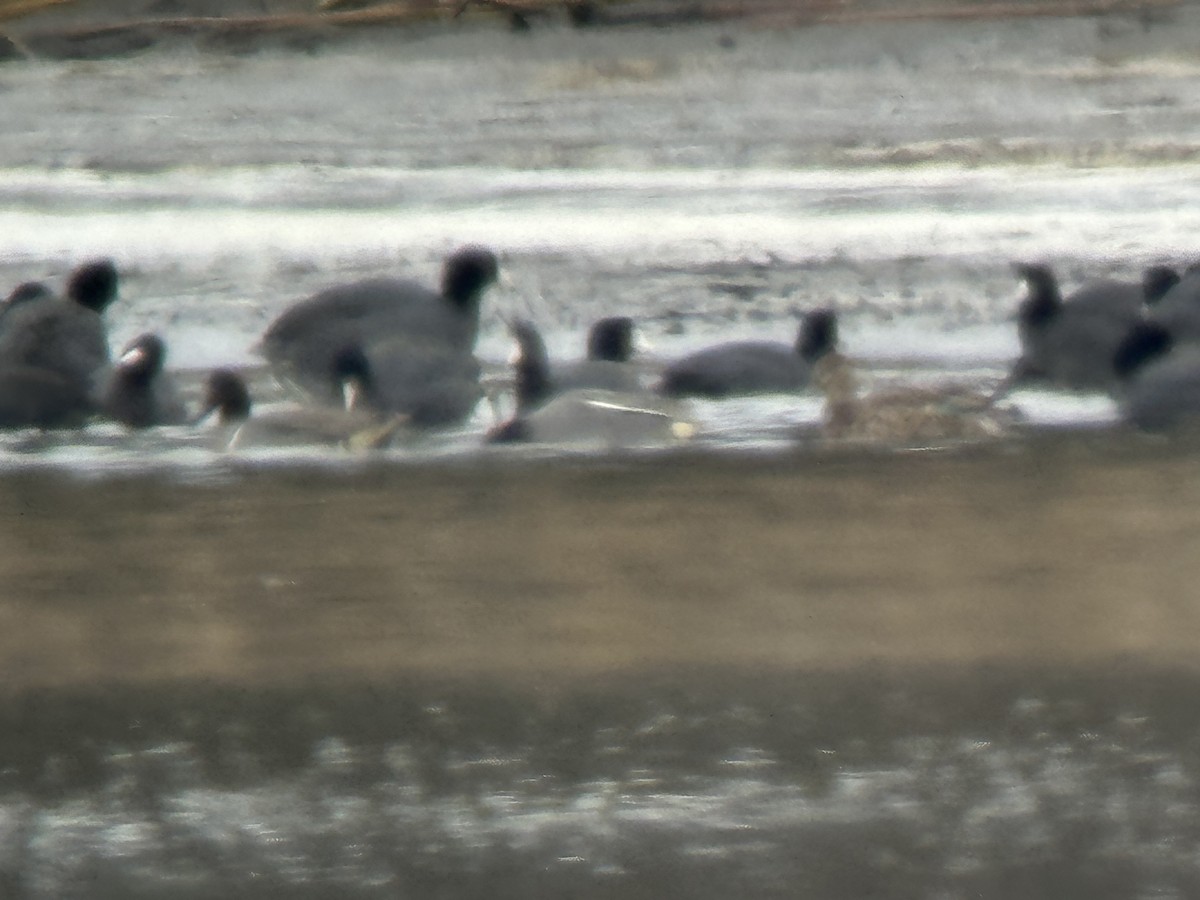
(905, 416)
(66, 335)
(1160, 379)
(597, 418)
(299, 345)
(351, 426)
(609, 348)
(753, 367)
(139, 393)
(1069, 342)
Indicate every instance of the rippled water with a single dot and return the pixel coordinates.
(709, 182)
(701, 792)
(440, 671)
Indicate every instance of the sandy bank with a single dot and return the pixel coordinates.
(1070, 552)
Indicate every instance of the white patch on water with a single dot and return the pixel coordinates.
(927, 341)
(762, 421)
(1056, 408)
(195, 218)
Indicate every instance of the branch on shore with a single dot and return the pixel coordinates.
(15, 9)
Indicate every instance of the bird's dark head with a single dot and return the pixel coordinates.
(1044, 301)
(467, 273)
(611, 339)
(818, 334)
(94, 284)
(1145, 342)
(225, 393)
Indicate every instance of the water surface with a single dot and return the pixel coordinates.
(758, 666)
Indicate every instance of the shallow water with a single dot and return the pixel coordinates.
(893, 172)
(708, 181)
(915, 675)
(758, 666)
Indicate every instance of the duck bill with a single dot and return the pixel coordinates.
(131, 358)
(352, 396)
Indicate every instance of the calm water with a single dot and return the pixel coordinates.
(759, 666)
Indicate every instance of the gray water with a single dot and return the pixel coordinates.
(757, 666)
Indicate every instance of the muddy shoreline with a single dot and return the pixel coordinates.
(99, 31)
(1070, 553)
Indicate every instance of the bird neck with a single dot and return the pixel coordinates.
(835, 377)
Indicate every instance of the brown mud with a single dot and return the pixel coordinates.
(1081, 550)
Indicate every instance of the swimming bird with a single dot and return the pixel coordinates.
(1069, 342)
(301, 343)
(610, 346)
(65, 335)
(753, 367)
(597, 418)
(1160, 379)
(227, 397)
(139, 394)
(905, 416)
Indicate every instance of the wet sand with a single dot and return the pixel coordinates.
(841, 674)
(1069, 550)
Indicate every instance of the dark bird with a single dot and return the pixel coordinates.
(66, 335)
(438, 323)
(753, 367)
(1069, 342)
(351, 425)
(607, 367)
(140, 394)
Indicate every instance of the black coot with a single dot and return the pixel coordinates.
(753, 367)
(607, 366)
(140, 394)
(1069, 342)
(301, 343)
(65, 335)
